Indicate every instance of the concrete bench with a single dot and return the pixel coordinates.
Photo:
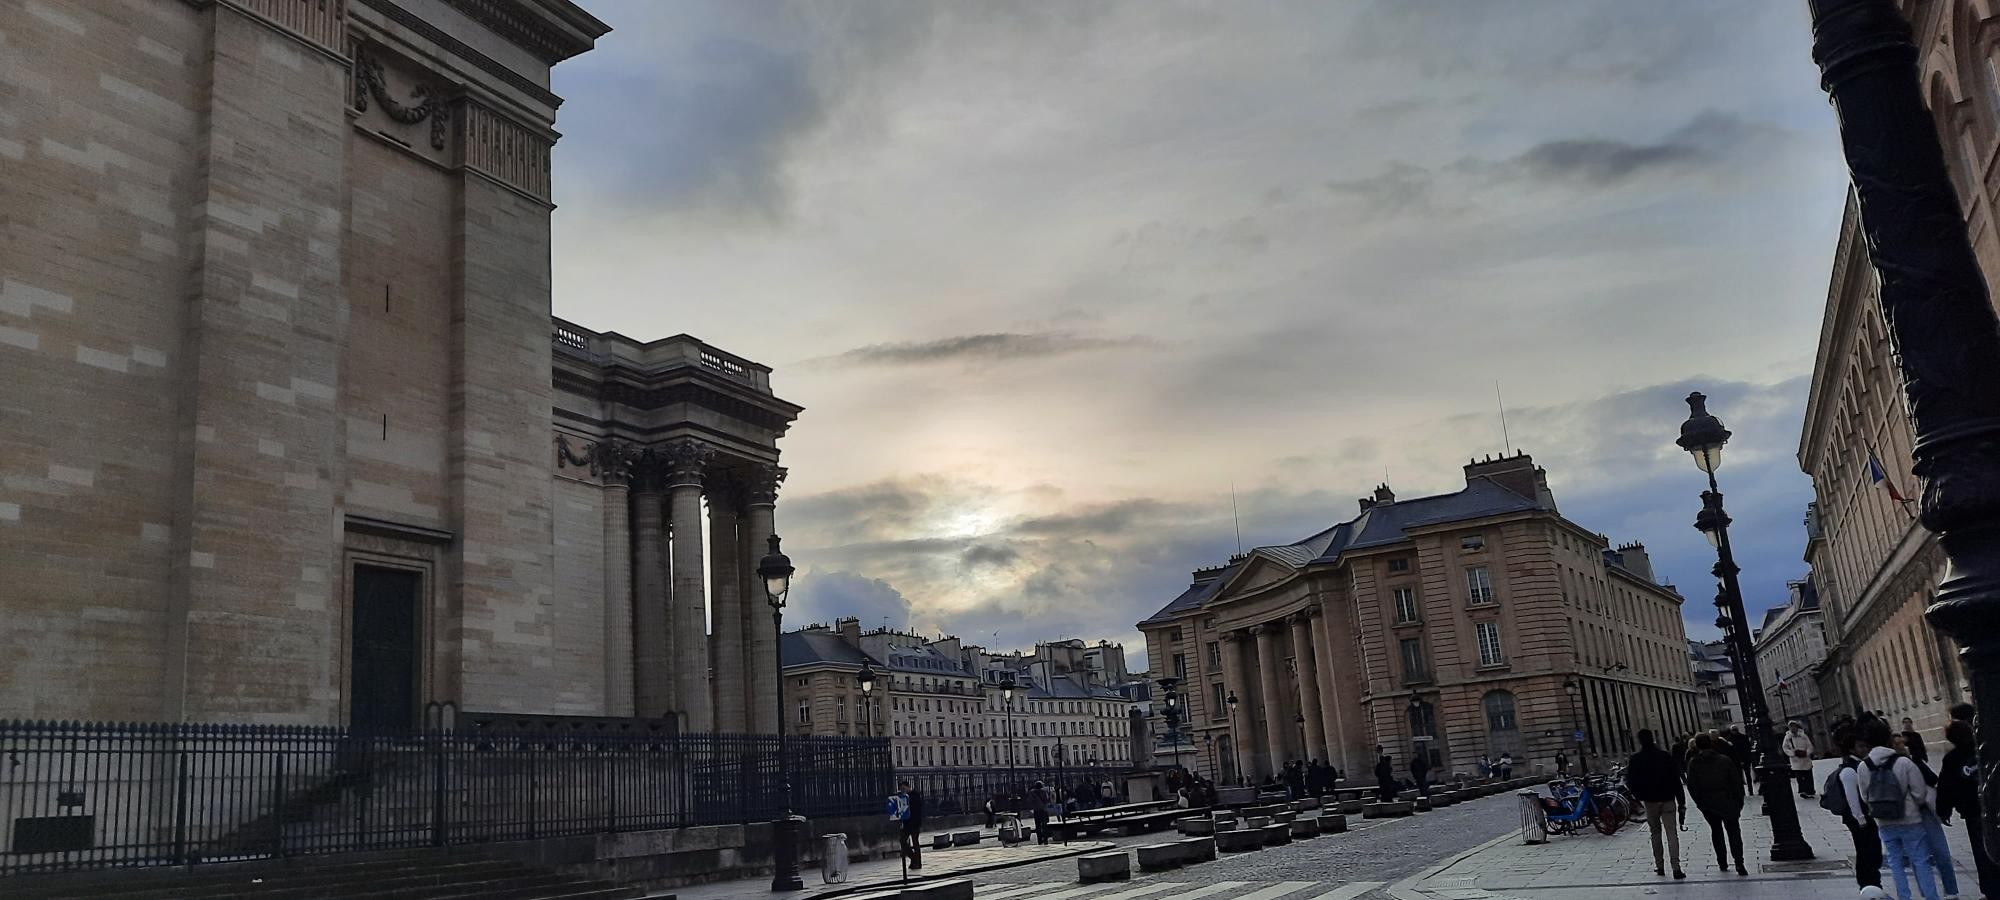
(1198, 849)
(965, 838)
(1255, 822)
(1285, 816)
(1241, 840)
(1276, 834)
(1112, 865)
(1423, 804)
(1352, 807)
(955, 889)
(1236, 796)
(1390, 810)
(1304, 828)
(1161, 857)
(1301, 805)
(1195, 825)
(941, 841)
(1331, 823)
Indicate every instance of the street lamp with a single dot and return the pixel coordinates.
(1172, 713)
(1703, 436)
(1299, 720)
(776, 570)
(1208, 741)
(1007, 686)
(1574, 686)
(1235, 738)
(866, 679)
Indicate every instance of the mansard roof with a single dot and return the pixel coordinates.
(805, 648)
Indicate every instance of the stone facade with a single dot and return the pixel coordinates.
(1791, 644)
(1448, 625)
(285, 393)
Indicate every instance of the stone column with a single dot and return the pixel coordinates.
(1277, 718)
(687, 463)
(613, 463)
(1309, 697)
(1338, 718)
(1237, 679)
(760, 503)
(726, 647)
(652, 661)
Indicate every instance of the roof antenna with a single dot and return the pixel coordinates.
(1237, 516)
(1504, 439)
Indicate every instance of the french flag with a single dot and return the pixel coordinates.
(1880, 478)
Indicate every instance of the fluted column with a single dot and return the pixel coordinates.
(1271, 674)
(760, 503)
(1338, 717)
(687, 463)
(1236, 672)
(727, 648)
(615, 469)
(1308, 674)
(652, 659)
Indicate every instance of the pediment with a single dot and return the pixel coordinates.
(1258, 573)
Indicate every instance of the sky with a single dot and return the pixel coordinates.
(1072, 291)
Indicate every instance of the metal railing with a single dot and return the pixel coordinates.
(954, 791)
(85, 795)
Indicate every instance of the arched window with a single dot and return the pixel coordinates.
(1503, 726)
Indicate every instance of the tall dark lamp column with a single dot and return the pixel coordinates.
(1702, 436)
(866, 679)
(1171, 713)
(1007, 686)
(1208, 739)
(1235, 738)
(776, 570)
(1941, 324)
(1575, 690)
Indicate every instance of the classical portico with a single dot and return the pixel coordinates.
(673, 444)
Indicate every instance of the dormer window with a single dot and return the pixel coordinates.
(1472, 543)
(1399, 564)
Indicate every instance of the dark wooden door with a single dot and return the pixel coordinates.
(382, 681)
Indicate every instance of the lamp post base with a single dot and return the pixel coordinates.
(1788, 843)
(785, 854)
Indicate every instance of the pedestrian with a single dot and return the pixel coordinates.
(1655, 781)
(1934, 816)
(1420, 771)
(1958, 794)
(1385, 776)
(1842, 796)
(1506, 764)
(1107, 793)
(1962, 712)
(1295, 780)
(1717, 787)
(990, 811)
(1893, 792)
(1485, 766)
(1038, 804)
(913, 824)
(1744, 753)
(1798, 749)
(1562, 766)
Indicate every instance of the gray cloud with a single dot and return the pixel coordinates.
(1602, 163)
(982, 348)
(822, 597)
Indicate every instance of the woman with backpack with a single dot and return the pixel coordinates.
(1842, 797)
(1911, 744)
(1894, 794)
(1717, 789)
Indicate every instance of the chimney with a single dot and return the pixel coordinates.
(1516, 473)
(1367, 503)
(1633, 557)
(850, 631)
(1384, 496)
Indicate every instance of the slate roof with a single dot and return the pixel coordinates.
(804, 648)
(1377, 526)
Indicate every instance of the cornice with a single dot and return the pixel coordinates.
(394, 12)
(1830, 357)
(532, 30)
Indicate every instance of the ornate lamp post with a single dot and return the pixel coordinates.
(1007, 686)
(866, 679)
(1208, 740)
(1941, 325)
(1235, 737)
(776, 570)
(1172, 712)
(1703, 436)
(1299, 721)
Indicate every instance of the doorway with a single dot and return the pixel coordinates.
(383, 668)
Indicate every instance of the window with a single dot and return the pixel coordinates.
(1180, 665)
(1413, 660)
(1215, 656)
(1399, 564)
(1472, 543)
(840, 712)
(1478, 585)
(1406, 605)
(1174, 635)
(1499, 711)
(805, 712)
(1218, 705)
(1489, 644)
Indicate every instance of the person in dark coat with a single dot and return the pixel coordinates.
(1958, 795)
(1038, 803)
(1715, 782)
(1385, 776)
(1744, 752)
(1656, 781)
(1420, 772)
(913, 827)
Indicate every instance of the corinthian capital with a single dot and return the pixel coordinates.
(610, 459)
(760, 484)
(686, 460)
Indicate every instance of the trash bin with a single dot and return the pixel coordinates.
(1534, 819)
(1010, 829)
(833, 858)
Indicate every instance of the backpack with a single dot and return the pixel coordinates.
(1884, 796)
(1833, 794)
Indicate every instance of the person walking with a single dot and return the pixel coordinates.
(1934, 816)
(1716, 784)
(1038, 804)
(1893, 792)
(1744, 753)
(1798, 749)
(1385, 776)
(1562, 765)
(1656, 782)
(1958, 794)
(1420, 772)
(1506, 765)
(913, 824)
(1843, 796)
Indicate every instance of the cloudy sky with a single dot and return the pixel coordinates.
(1053, 279)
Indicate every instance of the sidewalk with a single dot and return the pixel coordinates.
(1621, 865)
(878, 873)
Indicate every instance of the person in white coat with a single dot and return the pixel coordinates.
(1798, 750)
(1894, 793)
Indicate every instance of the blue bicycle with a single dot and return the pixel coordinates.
(1572, 806)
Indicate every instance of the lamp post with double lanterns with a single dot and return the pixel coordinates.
(1703, 437)
(1172, 714)
(1235, 744)
(776, 570)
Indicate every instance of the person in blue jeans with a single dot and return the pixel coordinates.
(1911, 744)
(1894, 794)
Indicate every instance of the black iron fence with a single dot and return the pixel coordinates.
(954, 791)
(81, 795)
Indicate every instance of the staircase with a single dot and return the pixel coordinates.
(392, 875)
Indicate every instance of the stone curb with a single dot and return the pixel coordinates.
(846, 889)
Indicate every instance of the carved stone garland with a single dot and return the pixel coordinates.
(371, 81)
